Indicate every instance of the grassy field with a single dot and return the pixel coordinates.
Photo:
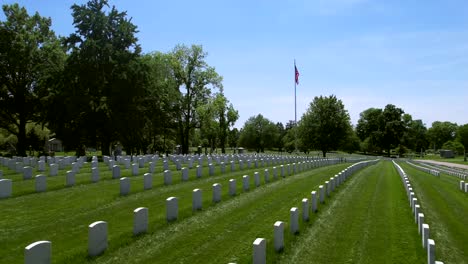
(369, 221)
(366, 220)
(62, 216)
(445, 209)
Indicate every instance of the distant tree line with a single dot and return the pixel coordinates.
(326, 127)
(95, 88)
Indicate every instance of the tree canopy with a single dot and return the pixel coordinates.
(325, 124)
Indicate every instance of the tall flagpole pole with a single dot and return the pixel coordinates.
(295, 109)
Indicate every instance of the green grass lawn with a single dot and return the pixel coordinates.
(445, 209)
(369, 221)
(63, 215)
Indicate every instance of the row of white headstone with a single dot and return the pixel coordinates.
(427, 170)
(40, 251)
(449, 171)
(418, 215)
(259, 254)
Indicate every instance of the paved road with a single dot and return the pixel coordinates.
(448, 164)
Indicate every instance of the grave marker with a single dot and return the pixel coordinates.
(97, 238)
(140, 220)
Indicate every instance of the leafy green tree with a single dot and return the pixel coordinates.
(258, 133)
(394, 127)
(352, 142)
(462, 137)
(441, 132)
(233, 137)
(415, 137)
(196, 80)
(455, 146)
(160, 103)
(325, 124)
(103, 80)
(29, 53)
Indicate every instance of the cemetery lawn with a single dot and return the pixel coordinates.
(370, 221)
(218, 231)
(224, 233)
(445, 209)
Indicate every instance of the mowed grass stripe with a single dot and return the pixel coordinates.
(445, 209)
(369, 221)
(62, 216)
(225, 232)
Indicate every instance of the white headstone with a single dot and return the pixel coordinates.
(282, 170)
(294, 220)
(140, 220)
(462, 186)
(327, 186)
(5, 188)
(167, 177)
(53, 169)
(41, 183)
(124, 186)
(185, 174)
(147, 181)
(38, 252)
(430, 251)
(211, 169)
(27, 173)
(134, 169)
(425, 234)
(70, 178)
(172, 209)
(313, 201)
(259, 251)
(256, 179)
(196, 199)
(199, 171)
(216, 192)
(232, 187)
(420, 222)
(279, 236)
(41, 165)
(245, 183)
(115, 172)
(305, 210)
(321, 194)
(97, 238)
(417, 209)
(95, 174)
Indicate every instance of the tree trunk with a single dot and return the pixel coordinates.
(324, 153)
(105, 146)
(21, 146)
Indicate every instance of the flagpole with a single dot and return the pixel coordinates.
(295, 109)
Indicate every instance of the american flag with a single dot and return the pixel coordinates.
(297, 74)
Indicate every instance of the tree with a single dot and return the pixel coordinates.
(394, 127)
(29, 53)
(382, 129)
(233, 137)
(160, 103)
(352, 143)
(415, 137)
(325, 124)
(103, 80)
(462, 137)
(441, 132)
(258, 133)
(455, 146)
(195, 79)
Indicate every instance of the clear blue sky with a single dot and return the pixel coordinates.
(369, 53)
